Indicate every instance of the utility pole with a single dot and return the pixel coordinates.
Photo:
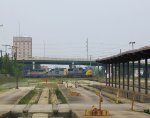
(1, 50)
(17, 75)
(132, 43)
(1, 53)
(15, 56)
(120, 51)
(19, 28)
(90, 59)
(44, 48)
(87, 48)
(13, 51)
(6, 48)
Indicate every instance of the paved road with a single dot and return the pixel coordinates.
(11, 96)
(86, 97)
(116, 110)
(90, 97)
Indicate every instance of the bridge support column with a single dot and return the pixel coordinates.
(98, 70)
(119, 74)
(133, 78)
(123, 76)
(70, 66)
(115, 75)
(109, 73)
(106, 73)
(112, 75)
(139, 75)
(146, 77)
(33, 65)
(128, 75)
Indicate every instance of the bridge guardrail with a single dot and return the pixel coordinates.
(66, 59)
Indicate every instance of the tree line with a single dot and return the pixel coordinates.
(10, 66)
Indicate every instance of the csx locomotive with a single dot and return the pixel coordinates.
(73, 72)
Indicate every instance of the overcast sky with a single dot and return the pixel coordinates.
(65, 25)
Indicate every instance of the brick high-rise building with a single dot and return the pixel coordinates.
(24, 47)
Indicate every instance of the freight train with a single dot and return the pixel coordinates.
(74, 72)
(60, 72)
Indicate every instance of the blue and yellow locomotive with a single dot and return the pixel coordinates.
(73, 72)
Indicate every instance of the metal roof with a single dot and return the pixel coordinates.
(131, 55)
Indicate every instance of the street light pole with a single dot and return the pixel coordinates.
(132, 43)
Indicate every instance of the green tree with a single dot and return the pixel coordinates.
(17, 71)
(5, 65)
(11, 67)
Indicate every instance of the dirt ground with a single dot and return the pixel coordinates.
(12, 95)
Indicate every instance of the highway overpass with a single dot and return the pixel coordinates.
(59, 61)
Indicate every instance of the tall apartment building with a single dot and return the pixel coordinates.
(24, 47)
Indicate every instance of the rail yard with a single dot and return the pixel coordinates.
(74, 58)
(67, 98)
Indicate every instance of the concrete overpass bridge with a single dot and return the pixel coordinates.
(59, 61)
(66, 61)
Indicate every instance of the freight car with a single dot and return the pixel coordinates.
(80, 72)
(58, 72)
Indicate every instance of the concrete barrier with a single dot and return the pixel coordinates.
(44, 99)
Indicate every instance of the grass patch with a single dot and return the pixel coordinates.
(35, 98)
(9, 83)
(12, 79)
(28, 97)
(49, 85)
(60, 96)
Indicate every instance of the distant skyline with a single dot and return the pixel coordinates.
(64, 25)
